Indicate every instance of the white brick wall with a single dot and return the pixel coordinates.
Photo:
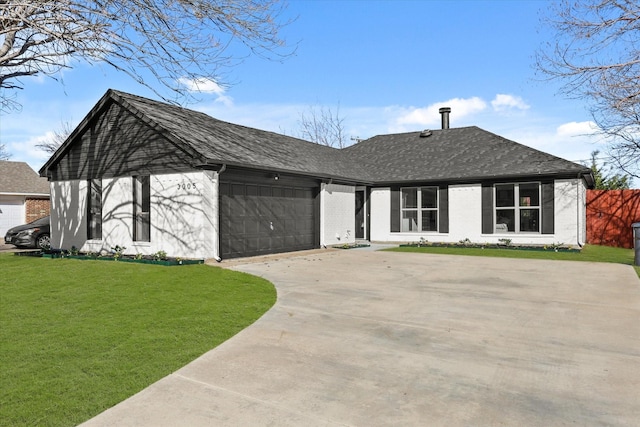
(183, 215)
(465, 217)
(380, 200)
(68, 214)
(337, 214)
(463, 200)
(570, 197)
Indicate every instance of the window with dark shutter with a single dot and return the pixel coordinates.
(487, 209)
(443, 207)
(419, 209)
(395, 209)
(548, 212)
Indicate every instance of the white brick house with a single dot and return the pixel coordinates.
(151, 176)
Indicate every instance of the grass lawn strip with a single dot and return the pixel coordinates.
(77, 337)
(590, 253)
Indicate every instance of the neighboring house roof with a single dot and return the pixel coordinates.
(460, 154)
(19, 178)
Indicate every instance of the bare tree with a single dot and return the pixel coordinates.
(159, 43)
(4, 154)
(323, 126)
(596, 55)
(59, 137)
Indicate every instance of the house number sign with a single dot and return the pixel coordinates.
(187, 186)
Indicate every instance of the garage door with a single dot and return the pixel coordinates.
(258, 219)
(11, 213)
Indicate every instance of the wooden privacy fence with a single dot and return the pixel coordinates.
(610, 214)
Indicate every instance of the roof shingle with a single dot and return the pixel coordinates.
(19, 178)
(457, 154)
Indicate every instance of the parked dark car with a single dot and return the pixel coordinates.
(33, 235)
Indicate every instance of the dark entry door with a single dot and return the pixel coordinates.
(360, 215)
(258, 219)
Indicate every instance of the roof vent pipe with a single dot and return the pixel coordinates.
(444, 112)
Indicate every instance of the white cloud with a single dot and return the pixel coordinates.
(577, 129)
(430, 116)
(205, 85)
(505, 103)
(26, 150)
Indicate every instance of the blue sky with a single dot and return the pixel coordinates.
(389, 65)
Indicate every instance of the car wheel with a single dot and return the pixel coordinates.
(43, 241)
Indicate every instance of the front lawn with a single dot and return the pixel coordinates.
(77, 337)
(589, 253)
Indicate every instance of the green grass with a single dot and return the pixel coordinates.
(77, 337)
(589, 253)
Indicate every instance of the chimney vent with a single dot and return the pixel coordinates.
(444, 112)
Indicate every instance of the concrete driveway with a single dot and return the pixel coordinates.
(364, 338)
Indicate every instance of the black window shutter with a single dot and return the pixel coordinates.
(395, 209)
(443, 209)
(487, 209)
(548, 213)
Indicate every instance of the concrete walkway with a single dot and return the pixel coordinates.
(362, 338)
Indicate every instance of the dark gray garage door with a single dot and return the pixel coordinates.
(258, 219)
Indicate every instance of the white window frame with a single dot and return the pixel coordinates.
(517, 208)
(419, 209)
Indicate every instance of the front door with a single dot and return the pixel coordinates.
(360, 214)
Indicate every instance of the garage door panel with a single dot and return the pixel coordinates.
(303, 225)
(11, 213)
(251, 227)
(252, 244)
(237, 228)
(266, 219)
(235, 246)
(277, 242)
(251, 190)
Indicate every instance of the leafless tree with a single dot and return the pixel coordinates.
(595, 53)
(59, 137)
(159, 43)
(4, 154)
(323, 126)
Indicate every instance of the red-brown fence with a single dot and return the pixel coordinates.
(610, 214)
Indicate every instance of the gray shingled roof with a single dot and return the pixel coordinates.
(455, 154)
(19, 178)
(459, 154)
(228, 143)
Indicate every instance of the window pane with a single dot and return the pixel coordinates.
(95, 209)
(505, 196)
(146, 193)
(505, 220)
(429, 220)
(409, 197)
(429, 197)
(410, 221)
(529, 219)
(143, 229)
(529, 195)
(141, 208)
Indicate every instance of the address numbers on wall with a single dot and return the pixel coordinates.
(187, 186)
